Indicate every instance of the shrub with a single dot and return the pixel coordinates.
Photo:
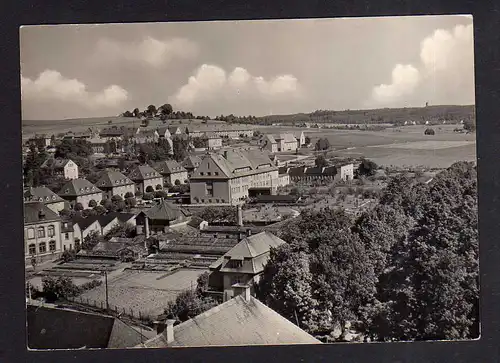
(78, 207)
(92, 203)
(429, 131)
(68, 255)
(149, 189)
(116, 198)
(148, 196)
(129, 195)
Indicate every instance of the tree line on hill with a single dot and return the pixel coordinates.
(406, 270)
(164, 112)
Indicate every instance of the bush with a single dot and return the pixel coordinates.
(100, 210)
(116, 198)
(429, 131)
(90, 285)
(92, 203)
(78, 207)
(129, 195)
(149, 189)
(158, 187)
(68, 255)
(148, 196)
(160, 194)
(58, 289)
(138, 194)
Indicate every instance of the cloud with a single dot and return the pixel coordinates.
(445, 73)
(211, 83)
(52, 86)
(149, 52)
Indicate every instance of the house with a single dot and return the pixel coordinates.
(80, 191)
(101, 146)
(146, 179)
(41, 141)
(241, 321)
(340, 171)
(51, 327)
(124, 218)
(158, 218)
(175, 130)
(67, 235)
(286, 142)
(42, 232)
(111, 133)
(191, 163)
(269, 143)
(173, 173)
(99, 224)
(300, 137)
(115, 183)
(231, 176)
(212, 142)
(65, 168)
(46, 196)
(146, 136)
(164, 132)
(284, 177)
(243, 264)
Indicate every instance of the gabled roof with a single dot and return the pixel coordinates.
(297, 171)
(42, 194)
(55, 328)
(235, 322)
(143, 172)
(330, 171)
(164, 211)
(286, 137)
(314, 171)
(191, 162)
(111, 179)
(53, 163)
(111, 132)
(78, 187)
(169, 167)
(283, 170)
(36, 212)
(103, 220)
(255, 245)
(122, 217)
(269, 138)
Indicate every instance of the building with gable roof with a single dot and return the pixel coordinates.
(111, 133)
(269, 143)
(173, 173)
(146, 179)
(146, 136)
(115, 183)
(241, 321)
(244, 263)
(80, 191)
(159, 217)
(231, 176)
(65, 168)
(212, 142)
(190, 163)
(42, 232)
(46, 196)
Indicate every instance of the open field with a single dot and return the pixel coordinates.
(137, 290)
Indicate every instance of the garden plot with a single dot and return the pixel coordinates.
(426, 145)
(147, 292)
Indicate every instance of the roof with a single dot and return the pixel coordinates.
(143, 172)
(122, 217)
(111, 179)
(277, 198)
(169, 167)
(283, 170)
(235, 322)
(164, 211)
(36, 212)
(314, 171)
(103, 220)
(66, 226)
(297, 171)
(191, 162)
(42, 194)
(286, 137)
(111, 132)
(55, 163)
(231, 229)
(55, 328)
(77, 187)
(270, 138)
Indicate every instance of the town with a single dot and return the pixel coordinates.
(162, 229)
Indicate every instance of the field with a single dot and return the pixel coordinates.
(137, 290)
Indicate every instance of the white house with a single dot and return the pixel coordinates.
(63, 167)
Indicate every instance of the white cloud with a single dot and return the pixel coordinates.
(150, 51)
(52, 86)
(445, 73)
(212, 83)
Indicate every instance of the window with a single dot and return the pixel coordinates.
(31, 233)
(41, 232)
(32, 249)
(209, 173)
(52, 245)
(216, 173)
(66, 235)
(71, 246)
(201, 173)
(42, 247)
(51, 231)
(64, 247)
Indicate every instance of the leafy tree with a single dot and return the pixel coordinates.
(100, 210)
(159, 187)
(120, 206)
(72, 149)
(160, 194)
(92, 203)
(429, 131)
(88, 212)
(180, 148)
(165, 110)
(122, 230)
(150, 189)
(202, 283)
(68, 255)
(322, 144)
(307, 140)
(78, 207)
(470, 125)
(219, 215)
(58, 289)
(187, 305)
(177, 182)
(108, 205)
(151, 110)
(367, 168)
(148, 196)
(91, 240)
(116, 198)
(129, 195)
(198, 142)
(136, 112)
(320, 161)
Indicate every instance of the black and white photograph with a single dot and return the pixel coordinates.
(253, 182)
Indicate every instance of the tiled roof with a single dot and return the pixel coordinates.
(103, 220)
(286, 137)
(42, 194)
(235, 322)
(168, 167)
(164, 211)
(270, 138)
(255, 245)
(314, 171)
(78, 187)
(122, 217)
(297, 171)
(283, 170)
(111, 178)
(111, 132)
(143, 172)
(55, 328)
(36, 212)
(53, 163)
(191, 162)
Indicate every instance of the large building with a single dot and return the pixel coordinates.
(65, 168)
(231, 176)
(146, 179)
(173, 173)
(115, 183)
(42, 232)
(242, 264)
(46, 196)
(80, 191)
(223, 130)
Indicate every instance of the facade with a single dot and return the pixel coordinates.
(42, 232)
(115, 183)
(45, 196)
(221, 130)
(191, 163)
(146, 136)
(213, 142)
(80, 191)
(229, 177)
(146, 179)
(173, 173)
(269, 143)
(65, 168)
(67, 235)
(286, 142)
(112, 133)
(344, 172)
(301, 138)
(242, 264)
(160, 217)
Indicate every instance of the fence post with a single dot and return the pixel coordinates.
(131, 312)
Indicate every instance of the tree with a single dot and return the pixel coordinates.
(198, 142)
(177, 182)
(121, 230)
(88, 212)
(58, 289)
(78, 207)
(187, 305)
(68, 255)
(180, 148)
(149, 189)
(219, 215)
(116, 198)
(100, 210)
(165, 110)
(136, 112)
(367, 168)
(429, 131)
(131, 202)
(120, 206)
(91, 240)
(322, 144)
(470, 125)
(202, 283)
(151, 110)
(148, 196)
(320, 161)
(129, 195)
(92, 203)
(307, 140)
(159, 187)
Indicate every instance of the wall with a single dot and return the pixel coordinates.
(347, 172)
(48, 255)
(71, 170)
(181, 176)
(220, 192)
(69, 242)
(152, 182)
(85, 199)
(109, 226)
(56, 207)
(123, 189)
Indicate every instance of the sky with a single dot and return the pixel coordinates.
(246, 67)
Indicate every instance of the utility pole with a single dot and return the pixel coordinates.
(106, 286)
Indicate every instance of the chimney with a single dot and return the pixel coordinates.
(168, 331)
(240, 216)
(249, 232)
(146, 226)
(243, 290)
(225, 154)
(41, 215)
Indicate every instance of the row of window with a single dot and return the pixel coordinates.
(41, 232)
(213, 200)
(209, 173)
(42, 247)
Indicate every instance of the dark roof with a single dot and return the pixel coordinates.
(191, 162)
(231, 229)
(277, 198)
(235, 322)
(56, 164)
(111, 132)
(168, 167)
(297, 171)
(103, 220)
(314, 171)
(36, 212)
(66, 226)
(78, 187)
(42, 194)
(122, 217)
(330, 170)
(143, 172)
(164, 211)
(55, 328)
(283, 170)
(111, 179)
